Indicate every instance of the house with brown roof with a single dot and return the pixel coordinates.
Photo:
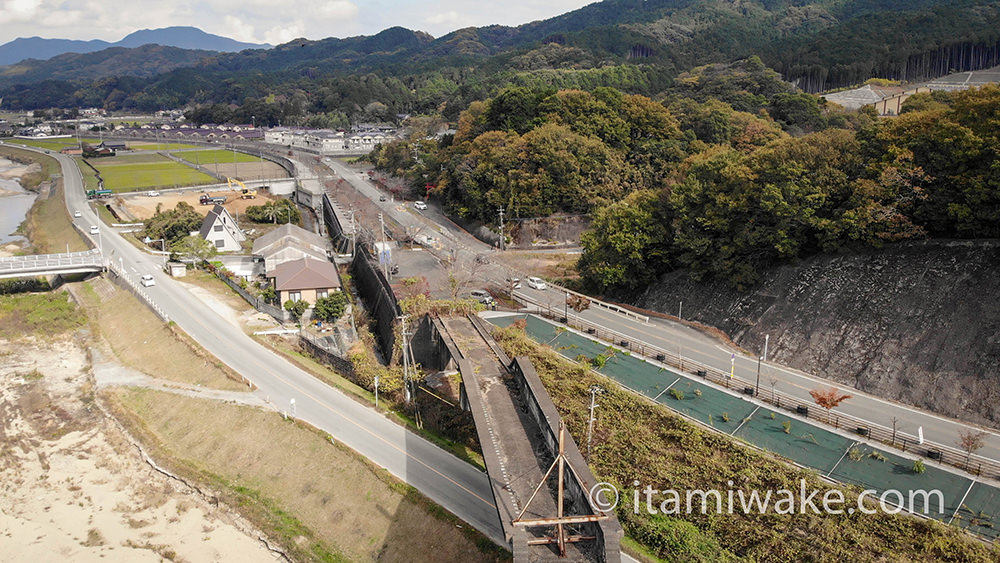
(305, 279)
(220, 229)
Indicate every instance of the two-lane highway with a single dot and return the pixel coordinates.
(452, 483)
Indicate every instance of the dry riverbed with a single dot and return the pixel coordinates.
(75, 487)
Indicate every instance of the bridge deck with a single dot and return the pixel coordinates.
(515, 452)
(46, 264)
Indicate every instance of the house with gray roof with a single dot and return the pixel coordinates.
(290, 242)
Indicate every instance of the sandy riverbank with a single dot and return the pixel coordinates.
(72, 486)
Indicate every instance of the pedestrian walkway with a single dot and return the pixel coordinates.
(968, 503)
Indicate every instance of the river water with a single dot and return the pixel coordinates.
(15, 202)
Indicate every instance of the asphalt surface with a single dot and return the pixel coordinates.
(454, 484)
(684, 340)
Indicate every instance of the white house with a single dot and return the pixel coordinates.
(220, 229)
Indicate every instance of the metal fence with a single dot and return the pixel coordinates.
(128, 282)
(975, 464)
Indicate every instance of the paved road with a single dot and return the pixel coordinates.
(689, 342)
(452, 483)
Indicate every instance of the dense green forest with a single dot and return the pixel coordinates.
(689, 181)
(637, 46)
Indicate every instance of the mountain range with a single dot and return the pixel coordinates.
(181, 37)
(638, 46)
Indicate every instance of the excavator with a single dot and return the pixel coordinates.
(245, 192)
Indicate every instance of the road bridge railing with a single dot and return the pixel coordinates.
(41, 264)
(961, 459)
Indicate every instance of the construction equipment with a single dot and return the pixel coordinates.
(206, 199)
(245, 192)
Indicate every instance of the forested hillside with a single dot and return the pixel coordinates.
(637, 46)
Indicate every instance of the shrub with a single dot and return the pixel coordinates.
(677, 394)
(918, 466)
(786, 426)
(296, 308)
(330, 308)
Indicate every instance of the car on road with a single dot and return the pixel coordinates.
(419, 205)
(153, 194)
(147, 280)
(77, 214)
(482, 296)
(514, 283)
(94, 230)
(537, 283)
(382, 198)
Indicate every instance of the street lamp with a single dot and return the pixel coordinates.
(566, 308)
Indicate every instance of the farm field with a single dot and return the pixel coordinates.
(211, 156)
(60, 143)
(56, 144)
(137, 172)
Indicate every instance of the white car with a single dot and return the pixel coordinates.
(147, 280)
(419, 205)
(154, 194)
(514, 283)
(77, 214)
(94, 230)
(536, 283)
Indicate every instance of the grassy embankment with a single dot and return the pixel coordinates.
(135, 172)
(48, 225)
(637, 440)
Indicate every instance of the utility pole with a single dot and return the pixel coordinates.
(381, 254)
(595, 390)
(406, 363)
(757, 390)
(354, 235)
(503, 237)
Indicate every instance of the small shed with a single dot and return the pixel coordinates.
(176, 269)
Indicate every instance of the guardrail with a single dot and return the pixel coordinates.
(125, 279)
(972, 463)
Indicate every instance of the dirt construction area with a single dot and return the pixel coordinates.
(142, 206)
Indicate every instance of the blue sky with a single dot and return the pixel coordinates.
(268, 21)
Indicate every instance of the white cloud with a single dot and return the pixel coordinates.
(338, 9)
(236, 28)
(450, 17)
(19, 10)
(283, 34)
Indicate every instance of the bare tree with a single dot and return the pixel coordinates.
(828, 399)
(971, 441)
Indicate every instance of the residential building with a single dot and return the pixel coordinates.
(221, 229)
(305, 279)
(290, 242)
